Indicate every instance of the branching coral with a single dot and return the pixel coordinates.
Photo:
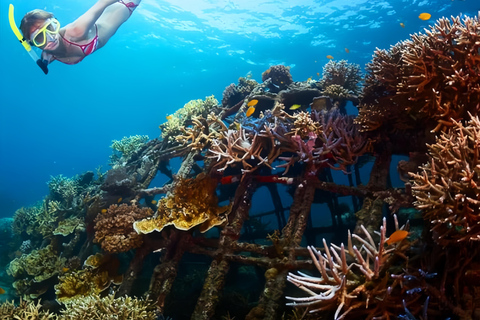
(193, 202)
(342, 74)
(24, 310)
(63, 189)
(352, 281)
(114, 228)
(182, 117)
(94, 307)
(424, 81)
(279, 76)
(448, 188)
(123, 149)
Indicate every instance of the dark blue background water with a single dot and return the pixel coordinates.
(168, 53)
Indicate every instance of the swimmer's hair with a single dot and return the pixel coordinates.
(31, 18)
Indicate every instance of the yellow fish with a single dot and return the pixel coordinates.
(119, 200)
(397, 236)
(309, 79)
(170, 117)
(250, 111)
(2, 291)
(424, 16)
(347, 51)
(104, 210)
(153, 202)
(65, 269)
(329, 57)
(295, 106)
(252, 103)
(402, 24)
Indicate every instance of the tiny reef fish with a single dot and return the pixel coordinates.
(329, 56)
(397, 236)
(318, 74)
(169, 117)
(250, 111)
(2, 291)
(295, 106)
(347, 51)
(424, 16)
(402, 24)
(252, 103)
(104, 210)
(119, 200)
(153, 202)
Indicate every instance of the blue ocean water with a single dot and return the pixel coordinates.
(166, 54)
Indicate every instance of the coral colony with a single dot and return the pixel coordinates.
(111, 246)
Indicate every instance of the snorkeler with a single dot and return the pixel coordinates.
(73, 42)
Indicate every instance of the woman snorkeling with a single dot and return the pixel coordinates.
(72, 43)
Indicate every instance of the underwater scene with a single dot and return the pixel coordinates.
(308, 159)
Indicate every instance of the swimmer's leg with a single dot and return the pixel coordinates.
(113, 17)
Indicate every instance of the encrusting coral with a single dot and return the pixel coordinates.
(193, 202)
(447, 190)
(114, 228)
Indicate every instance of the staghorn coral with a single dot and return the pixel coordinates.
(193, 202)
(114, 228)
(354, 282)
(63, 189)
(94, 307)
(447, 190)
(125, 148)
(182, 117)
(425, 81)
(279, 76)
(342, 74)
(24, 310)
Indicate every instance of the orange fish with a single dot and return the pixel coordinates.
(329, 57)
(250, 111)
(347, 51)
(104, 210)
(397, 236)
(65, 269)
(402, 24)
(2, 291)
(153, 202)
(119, 200)
(318, 74)
(424, 16)
(252, 103)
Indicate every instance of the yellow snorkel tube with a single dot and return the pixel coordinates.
(24, 42)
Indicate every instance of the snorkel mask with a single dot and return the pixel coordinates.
(24, 42)
(47, 32)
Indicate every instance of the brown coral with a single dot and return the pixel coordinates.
(425, 81)
(114, 229)
(279, 76)
(448, 188)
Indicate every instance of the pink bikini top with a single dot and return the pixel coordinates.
(87, 49)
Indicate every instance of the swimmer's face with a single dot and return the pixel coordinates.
(48, 37)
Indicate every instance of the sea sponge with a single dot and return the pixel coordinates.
(192, 202)
(114, 228)
(447, 190)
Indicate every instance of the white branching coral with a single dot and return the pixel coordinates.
(350, 278)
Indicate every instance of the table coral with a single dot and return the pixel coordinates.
(193, 202)
(448, 188)
(114, 228)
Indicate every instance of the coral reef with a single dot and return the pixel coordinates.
(343, 74)
(354, 281)
(279, 77)
(125, 148)
(447, 190)
(114, 228)
(425, 81)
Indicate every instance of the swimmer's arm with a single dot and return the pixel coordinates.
(80, 27)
